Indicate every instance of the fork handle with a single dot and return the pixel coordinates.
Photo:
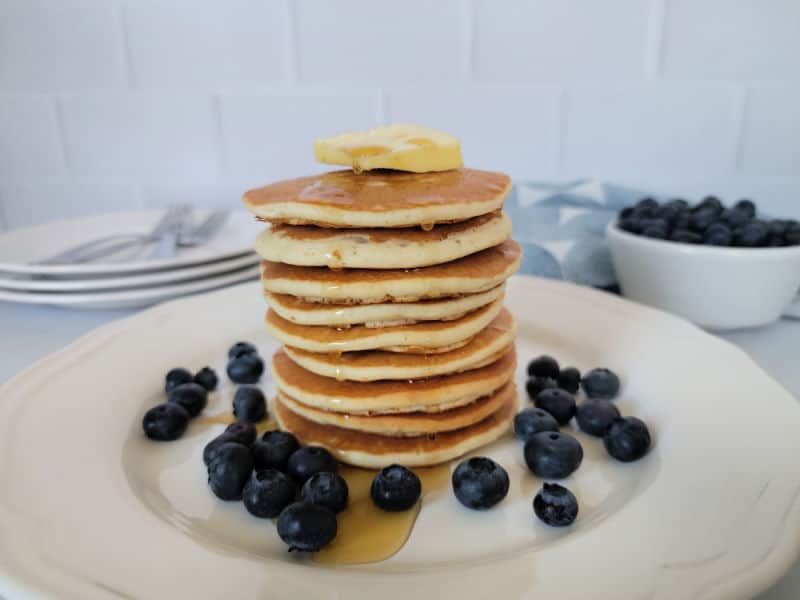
(78, 254)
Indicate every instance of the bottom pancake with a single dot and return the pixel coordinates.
(407, 424)
(377, 451)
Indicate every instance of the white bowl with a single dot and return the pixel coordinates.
(715, 287)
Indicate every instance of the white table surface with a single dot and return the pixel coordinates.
(28, 333)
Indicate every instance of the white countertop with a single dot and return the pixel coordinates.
(28, 333)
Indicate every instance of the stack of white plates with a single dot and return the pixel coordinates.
(127, 281)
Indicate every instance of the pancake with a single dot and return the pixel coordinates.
(424, 337)
(404, 424)
(389, 314)
(469, 275)
(310, 246)
(377, 451)
(486, 347)
(432, 395)
(343, 199)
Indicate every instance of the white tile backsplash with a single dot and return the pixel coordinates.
(174, 98)
(206, 42)
(771, 135)
(383, 43)
(542, 39)
(29, 137)
(164, 136)
(512, 130)
(55, 45)
(669, 130)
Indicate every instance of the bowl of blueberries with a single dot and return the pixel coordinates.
(722, 267)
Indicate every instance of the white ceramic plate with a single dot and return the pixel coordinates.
(21, 247)
(134, 297)
(24, 283)
(90, 509)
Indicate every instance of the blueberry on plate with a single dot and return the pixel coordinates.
(395, 488)
(718, 234)
(533, 420)
(553, 455)
(747, 207)
(559, 403)
(273, 450)
(207, 377)
(240, 349)
(685, 236)
(595, 416)
(480, 483)
(751, 235)
(535, 385)
(213, 447)
(627, 439)
(306, 527)
(657, 232)
(191, 396)
(267, 493)
(543, 366)
(569, 379)
(710, 203)
(175, 378)
(230, 470)
(555, 505)
(246, 368)
(702, 219)
(249, 404)
(646, 205)
(244, 433)
(600, 383)
(733, 218)
(308, 461)
(165, 422)
(326, 489)
(792, 235)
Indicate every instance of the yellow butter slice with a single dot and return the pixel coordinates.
(400, 147)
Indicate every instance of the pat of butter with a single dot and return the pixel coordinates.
(400, 147)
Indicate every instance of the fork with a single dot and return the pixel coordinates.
(206, 230)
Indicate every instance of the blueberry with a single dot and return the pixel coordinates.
(230, 470)
(240, 349)
(678, 204)
(267, 493)
(627, 439)
(543, 366)
(249, 404)
(701, 219)
(326, 489)
(536, 384)
(710, 203)
(207, 377)
(213, 447)
(792, 235)
(747, 207)
(626, 212)
(595, 416)
(600, 383)
(395, 488)
(175, 378)
(654, 223)
(555, 505)
(667, 212)
(246, 368)
(751, 235)
(244, 433)
(718, 234)
(775, 241)
(646, 204)
(559, 403)
(306, 527)
(631, 225)
(681, 220)
(165, 422)
(734, 218)
(569, 379)
(273, 450)
(305, 462)
(686, 236)
(533, 420)
(480, 483)
(191, 396)
(553, 455)
(658, 232)
(778, 227)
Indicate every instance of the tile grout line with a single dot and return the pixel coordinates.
(654, 42)
(292, 65)
(739, 115)
(123, 45)
(468, 25)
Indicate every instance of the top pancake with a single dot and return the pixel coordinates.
(343, 199)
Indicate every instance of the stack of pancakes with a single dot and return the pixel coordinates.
(387, 290)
